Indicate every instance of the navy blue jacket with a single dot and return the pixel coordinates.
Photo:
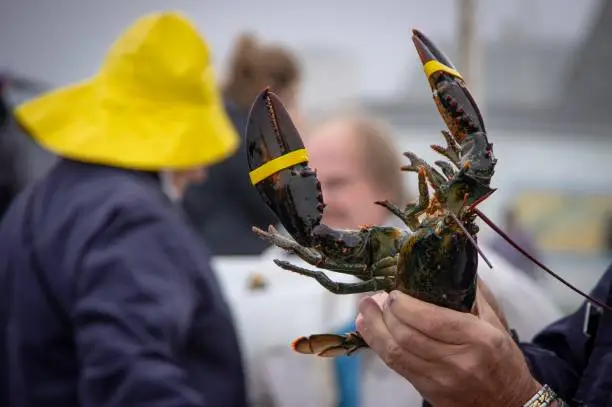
(576, 366)
(9, 184)
(108, 299)
(226, 205)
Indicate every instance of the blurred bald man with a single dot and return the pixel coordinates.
(358, 163)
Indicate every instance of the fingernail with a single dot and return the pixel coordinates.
(390, 298)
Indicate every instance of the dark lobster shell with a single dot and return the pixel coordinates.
(290, 188)
(455, 103)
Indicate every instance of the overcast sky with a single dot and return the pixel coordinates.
(61, 41)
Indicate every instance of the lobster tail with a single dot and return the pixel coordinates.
(278, 164)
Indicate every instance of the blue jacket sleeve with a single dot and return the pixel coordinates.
(559, 354)
(132, 312)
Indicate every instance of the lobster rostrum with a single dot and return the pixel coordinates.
(435, 260)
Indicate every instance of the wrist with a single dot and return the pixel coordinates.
(545, 397)
(523, 393)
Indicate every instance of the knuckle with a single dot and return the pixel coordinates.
(466, 366)
(446, 380)
(454, 326)
(443, 326)
(431, 325)
(495, 341)
(393, 354)
(405, 337)
(471, 367)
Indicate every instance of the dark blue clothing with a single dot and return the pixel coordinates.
(226, 205)
(562, 357)
(108, 299)
(9, 182)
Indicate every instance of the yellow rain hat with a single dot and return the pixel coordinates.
(153, 105)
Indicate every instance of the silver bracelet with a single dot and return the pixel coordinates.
(543, 398)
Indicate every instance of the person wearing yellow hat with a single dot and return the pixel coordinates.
(9, 184)
(226, 206)
(108, 298)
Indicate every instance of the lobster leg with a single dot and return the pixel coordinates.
(311, 256)
(435, 178)
(329, 345)
(451, 151)
(410, 215)
(447, 169)
(376, 283)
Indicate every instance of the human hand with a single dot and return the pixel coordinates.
(488, 309)
(450, 357)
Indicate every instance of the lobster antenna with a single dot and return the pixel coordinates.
(471, 239)
(536, 261)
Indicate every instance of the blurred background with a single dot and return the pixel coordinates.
(539, 70)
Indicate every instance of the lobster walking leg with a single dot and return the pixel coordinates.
(410, 215)
(381, 278)
(312, 256)
(451, 151)
(373, 284)
(435, 179)
(447, 169)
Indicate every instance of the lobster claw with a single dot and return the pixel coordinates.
(454, 101)
(278, 165)
(471, 185)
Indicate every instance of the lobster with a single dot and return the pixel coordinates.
(435, 259)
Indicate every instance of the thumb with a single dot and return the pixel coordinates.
(488, 297)
(485, 312)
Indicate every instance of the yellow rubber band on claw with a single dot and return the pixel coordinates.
(435, 66)
(278, 164)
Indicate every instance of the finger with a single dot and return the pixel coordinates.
(359, 321)
(492, 302)
(423, 347)
(370, 322)
(372, 328)
(380, 300)
(444, 324)
(374, 331)
(480, 302)
(488, 314)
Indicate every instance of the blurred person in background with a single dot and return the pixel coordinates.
(8, 175)
(108, 297)
(225, 207)
(358, 163)
(515, 230)
(12, 175)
